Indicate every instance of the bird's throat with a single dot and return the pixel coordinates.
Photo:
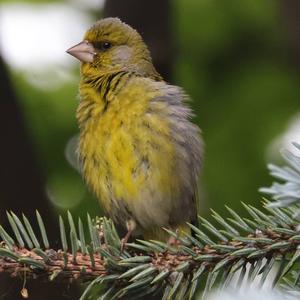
(97, 93)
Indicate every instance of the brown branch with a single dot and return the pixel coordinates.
(81, 268)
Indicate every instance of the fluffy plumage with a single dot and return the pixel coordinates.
(140, 153)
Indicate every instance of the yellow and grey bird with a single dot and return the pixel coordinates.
(139, 151)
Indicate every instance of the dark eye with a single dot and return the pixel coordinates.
(106, 45)
(102, 46)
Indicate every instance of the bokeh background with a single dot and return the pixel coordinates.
(238, 60)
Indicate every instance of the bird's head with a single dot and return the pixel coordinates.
(110, 45)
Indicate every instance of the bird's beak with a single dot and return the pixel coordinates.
(83, 51)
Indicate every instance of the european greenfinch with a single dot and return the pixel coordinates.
(140, 153)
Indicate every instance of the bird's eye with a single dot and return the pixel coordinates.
(102, 46)
(106, 45)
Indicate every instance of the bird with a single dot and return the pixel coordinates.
(138, 149)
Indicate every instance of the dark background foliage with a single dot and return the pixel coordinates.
(238, 60)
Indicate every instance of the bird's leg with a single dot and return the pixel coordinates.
(131, 226)
(173, 241)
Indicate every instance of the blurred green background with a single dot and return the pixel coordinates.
(238, 60)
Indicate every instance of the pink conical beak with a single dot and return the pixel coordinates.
(83, 51)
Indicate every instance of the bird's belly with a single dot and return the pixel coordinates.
(131, 172)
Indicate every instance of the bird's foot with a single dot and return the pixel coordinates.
(131, 226)
(173, 241)
(125, 240)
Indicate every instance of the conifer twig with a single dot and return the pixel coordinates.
(150, 266)
(36, 266)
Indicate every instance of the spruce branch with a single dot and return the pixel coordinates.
(50, 264)
(149, 267)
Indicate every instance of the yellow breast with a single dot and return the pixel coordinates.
(123, 143)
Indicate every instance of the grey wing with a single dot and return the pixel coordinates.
(186, 137)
